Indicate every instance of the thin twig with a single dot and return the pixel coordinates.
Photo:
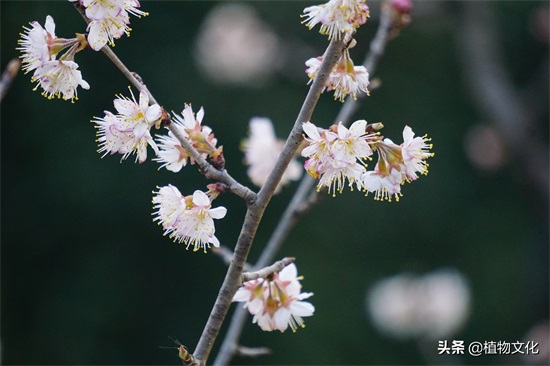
(266, 271)
(205, 167)
(226, 255)
(252, 351)
(496, 96)
(256, 210)
(9, 74)
(304, 197)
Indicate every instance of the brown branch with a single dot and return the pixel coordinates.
(305, 196)
(256, 210)
(266, 271)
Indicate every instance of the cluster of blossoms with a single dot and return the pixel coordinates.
(261, 151)
(188, 219)
(128, 131)
(276, 301)
(173, 156)
(339, 154)
(337, 17)
(345, 78)
(59, 76)
(109, 20)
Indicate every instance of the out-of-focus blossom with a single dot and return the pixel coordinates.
(433, 306)
(262, 149)
(485, 147)
(234, 46)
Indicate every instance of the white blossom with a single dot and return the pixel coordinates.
(262, 149)
(187, 220)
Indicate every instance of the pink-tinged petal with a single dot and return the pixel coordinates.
(124, 106)
(289, 273)
(218, 212)
(301, 308)
(97, 35)
(201, 199)
(188, 118)
(311, 130)
(309, 151)
(152, 143)
(83, 84)
(264, 321)
(408, 134)
(140, 129)
(153, 113)
(281, 318)
(342, 131)
(200, 115)
(143, 100)
(358, 128)
(50, 26)
(255, 306)
(371, 181)
(242, 294)
(214, 241)
(305, 295)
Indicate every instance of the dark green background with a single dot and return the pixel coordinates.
(87, 277)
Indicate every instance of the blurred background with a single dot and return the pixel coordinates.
(88, 278)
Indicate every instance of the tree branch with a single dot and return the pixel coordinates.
(204, 166)
(266, 271)
(256, 210)
(304, 197)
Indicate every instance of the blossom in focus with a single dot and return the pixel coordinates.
(337, 17)
(262, 149)
(60, 79)
(397, 164)
(109, 20)
(337, 155)
(57, 77)
(415, 153)
(187, 219)
(171, 154)
(34, 44)
(128, 132)
(276, 301)
(345, 78)
(433, 306)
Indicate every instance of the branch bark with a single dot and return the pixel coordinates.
(256, 210)
(304, 197)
